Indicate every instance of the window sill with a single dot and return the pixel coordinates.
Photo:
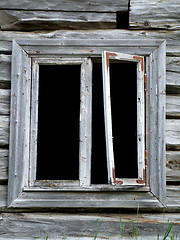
(53, 187)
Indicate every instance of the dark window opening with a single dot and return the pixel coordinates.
(98, 158)
(58, 122)
(123, 87)
(122, 20)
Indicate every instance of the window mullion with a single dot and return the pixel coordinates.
(85, 123)
(140, 120)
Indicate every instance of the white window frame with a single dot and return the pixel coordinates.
(23, 190)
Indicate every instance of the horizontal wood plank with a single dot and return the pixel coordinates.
(4, 154)
(84, 226)
(158, 14)
(172, 37)
(64, 5)
(37, 20)
(173, 199)
(173, 106)
(172, 134)
(173, 166)
(5, 71)
(4, 101)
(4, 131)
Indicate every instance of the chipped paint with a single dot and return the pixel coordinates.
(145, 158)
(142, 181)
(114, 178)
(107, 58)
(139, 58)
(113, 54)
(145, 82)
(83, 159)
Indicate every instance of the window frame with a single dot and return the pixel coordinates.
(85, 123)
(21, 192)
(139, 60)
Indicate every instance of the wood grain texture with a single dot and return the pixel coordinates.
(173, 134)
(80, 226)
(19, 121)
(4, 101)
(4, 131)
(5, 70)
(173, 106)
(173, 199)
(155, 14)
(37, 20)
(4, 154)
(172, 37)
(63, 5)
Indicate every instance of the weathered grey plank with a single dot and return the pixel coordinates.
(5, 71)
(19, 122)
(86, 123)
(154, 14)
(83, 226)
(4, 130)
(173, 106)
(172, 82)
(173, 74)
(4, 101)
(63, 5)
(37, 20)
(173, 134)
(74, 199)
(173, 43)
(155, 112)
(4, 153)
(173, 166)
(173, 198)
(173, 64)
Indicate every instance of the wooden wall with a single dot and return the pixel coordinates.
(50, 19)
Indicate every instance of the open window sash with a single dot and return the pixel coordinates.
(120, 57)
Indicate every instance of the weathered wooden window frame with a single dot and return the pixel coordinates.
(139, 60)
(22, 192)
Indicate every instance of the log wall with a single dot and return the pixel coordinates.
(156, 19)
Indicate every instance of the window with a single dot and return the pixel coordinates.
(82, 130)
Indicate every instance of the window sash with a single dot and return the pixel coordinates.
(84, 121)
(106, 57)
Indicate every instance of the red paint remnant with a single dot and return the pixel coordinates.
(83, 159)
(114, 178)
(140, 59)
(145, 82)
(87, 89)
(113, 54)
(145, 158)
(143, 181)
(107, 58)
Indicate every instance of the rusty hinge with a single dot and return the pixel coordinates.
(145, 82)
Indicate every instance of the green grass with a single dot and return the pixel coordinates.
(169, 233)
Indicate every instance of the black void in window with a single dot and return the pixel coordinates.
(58, 122)
(123, 85)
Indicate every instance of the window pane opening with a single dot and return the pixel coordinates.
(98, 157)
(123, 87)
(123, 90)
(58, 122)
